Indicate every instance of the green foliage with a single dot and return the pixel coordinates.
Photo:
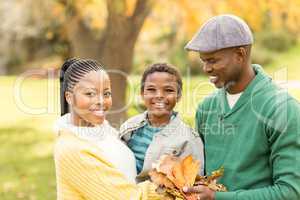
(276, 40)
(270, 43)
(261, 55)
(179, 57)
(289, 60)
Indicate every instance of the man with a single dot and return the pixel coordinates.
(249, 125)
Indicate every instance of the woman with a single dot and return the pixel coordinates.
(91, 162)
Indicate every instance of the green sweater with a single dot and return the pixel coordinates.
(257, 141)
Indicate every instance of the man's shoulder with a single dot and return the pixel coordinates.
(273, 95)
(209, 100)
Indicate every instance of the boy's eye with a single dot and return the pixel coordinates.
(170, 90)
(150, 89)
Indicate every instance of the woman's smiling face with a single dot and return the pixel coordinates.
(160, 94)
(90, 99)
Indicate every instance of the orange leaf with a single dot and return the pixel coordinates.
(179, 179)
(190, 170)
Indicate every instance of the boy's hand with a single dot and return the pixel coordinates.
(203, 192)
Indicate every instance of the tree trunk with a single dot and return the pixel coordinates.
(82, 41)
(3, 68)
(117, 55)
(4, 44)
(115, 49)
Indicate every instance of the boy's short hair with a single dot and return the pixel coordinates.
(162, 67)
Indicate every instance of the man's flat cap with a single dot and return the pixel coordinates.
(221, 32)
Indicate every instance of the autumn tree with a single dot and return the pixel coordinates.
(22, 32)
(108, 31)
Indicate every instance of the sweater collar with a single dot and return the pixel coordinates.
(141, 120)
(259, 81)
(88, 133)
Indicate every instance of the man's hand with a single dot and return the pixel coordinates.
(203, 192)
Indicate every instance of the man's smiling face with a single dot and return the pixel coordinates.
(223, 67)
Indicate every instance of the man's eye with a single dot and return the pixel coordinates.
(212, 61)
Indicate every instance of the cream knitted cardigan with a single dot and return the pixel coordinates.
(84, 172)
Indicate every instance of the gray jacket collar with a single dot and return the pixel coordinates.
(140, 120)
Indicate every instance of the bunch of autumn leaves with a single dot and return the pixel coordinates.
(171, 174)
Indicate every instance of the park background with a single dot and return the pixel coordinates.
(36, 36)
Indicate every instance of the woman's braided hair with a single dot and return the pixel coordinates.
(71, 72)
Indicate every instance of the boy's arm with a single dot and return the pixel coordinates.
(195, 147)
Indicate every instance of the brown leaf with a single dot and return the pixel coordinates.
(166, 163)
(160, 179)
(174, 173)
(190, 196)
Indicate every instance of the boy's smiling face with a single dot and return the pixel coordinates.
(160, 94)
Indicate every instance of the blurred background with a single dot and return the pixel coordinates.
(36, 36)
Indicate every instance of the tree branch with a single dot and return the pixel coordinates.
(141, 11)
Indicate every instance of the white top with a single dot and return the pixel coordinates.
(232, 99)
(106, 138)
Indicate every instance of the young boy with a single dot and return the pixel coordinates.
(160, 130)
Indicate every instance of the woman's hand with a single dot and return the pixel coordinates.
(201, 192)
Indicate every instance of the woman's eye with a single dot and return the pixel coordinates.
(107, 94)
(90, 94)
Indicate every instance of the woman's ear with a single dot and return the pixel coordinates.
(69, 97)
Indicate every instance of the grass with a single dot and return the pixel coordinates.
(27, 169)
(29, 110)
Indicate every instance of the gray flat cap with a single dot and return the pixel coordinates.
(221, 32)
